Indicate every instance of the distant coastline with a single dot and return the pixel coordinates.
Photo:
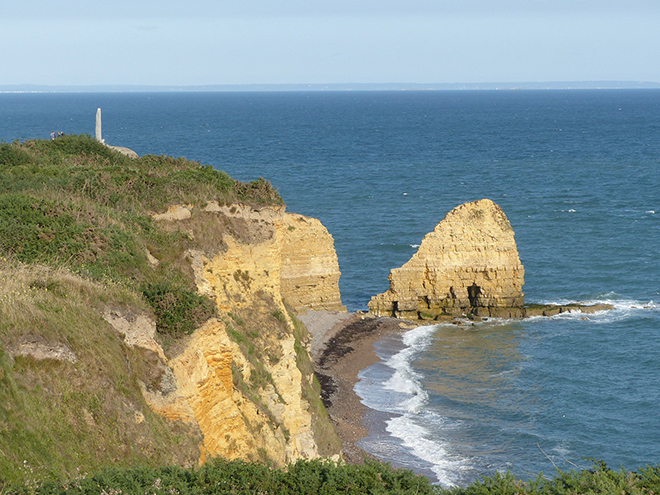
(489, 86)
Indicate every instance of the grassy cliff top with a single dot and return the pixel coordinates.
(75, 203)
(83, 168)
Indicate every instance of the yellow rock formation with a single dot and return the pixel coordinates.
(310, 270)
(266, 257)
(297, 263)
(469, 264)
(232, 424)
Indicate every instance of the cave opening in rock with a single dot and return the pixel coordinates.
(474, 291)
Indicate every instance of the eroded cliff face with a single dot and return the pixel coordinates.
(284, 255)
(469, 264)
(245, 379)
(276, 427)
(310, 269)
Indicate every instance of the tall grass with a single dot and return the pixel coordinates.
(61, 416)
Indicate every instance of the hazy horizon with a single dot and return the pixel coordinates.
(501, 86)
(205, 42)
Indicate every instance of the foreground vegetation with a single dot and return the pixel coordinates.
(328, 478)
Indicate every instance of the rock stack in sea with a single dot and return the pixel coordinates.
(468, 265)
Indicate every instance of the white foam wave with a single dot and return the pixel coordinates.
(623, 308)
(414, 246)
(403, 395)
(404, 379)
(435, 452)
(610, 298)
(408, 426)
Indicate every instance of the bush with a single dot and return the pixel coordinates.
(316, 477)
(178, 311)
(12, 156)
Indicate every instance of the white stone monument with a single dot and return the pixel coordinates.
(99, 138)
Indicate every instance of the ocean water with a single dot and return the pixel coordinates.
(576, 172)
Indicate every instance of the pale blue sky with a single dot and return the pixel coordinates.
(195, 42)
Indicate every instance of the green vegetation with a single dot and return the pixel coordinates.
(329, 478)
(77, 238)
(178, 311)
(219, 476)
(81, 167)
(73, 202)
(597, 480)
(59, 416)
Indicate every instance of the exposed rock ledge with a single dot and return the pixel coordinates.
(124, 151)
(38, 348)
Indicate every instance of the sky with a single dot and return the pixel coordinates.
(201, 42)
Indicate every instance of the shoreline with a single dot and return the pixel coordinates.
(342, 346)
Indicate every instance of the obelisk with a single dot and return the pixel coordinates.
(98, 126)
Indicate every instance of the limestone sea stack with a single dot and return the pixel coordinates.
(468, 265)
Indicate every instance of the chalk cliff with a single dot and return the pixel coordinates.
(469, 264)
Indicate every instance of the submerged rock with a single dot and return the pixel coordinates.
(556, 309)
(468, 265)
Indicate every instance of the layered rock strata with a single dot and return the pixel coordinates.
(241, 379)
(310, 269)
(468, 265)
(289, 256)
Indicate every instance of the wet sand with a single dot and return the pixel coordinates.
(342, 346)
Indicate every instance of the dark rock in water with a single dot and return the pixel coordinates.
(555, 309)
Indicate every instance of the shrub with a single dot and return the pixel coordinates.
(12, 156)
(178, 311)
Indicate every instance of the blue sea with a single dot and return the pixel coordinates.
(576, 172)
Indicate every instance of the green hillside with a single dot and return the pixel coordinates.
(76, 233)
